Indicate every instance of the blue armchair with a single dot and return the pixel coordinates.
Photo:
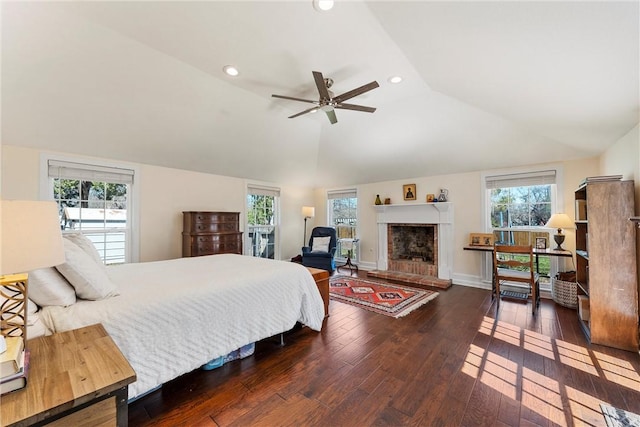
(321, 250)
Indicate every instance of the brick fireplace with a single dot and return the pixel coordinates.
(416, 239)
(412, 248)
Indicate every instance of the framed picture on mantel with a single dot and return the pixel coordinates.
(409, 191)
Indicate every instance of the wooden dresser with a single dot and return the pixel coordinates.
(210, 233)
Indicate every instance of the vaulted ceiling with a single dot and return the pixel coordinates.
(486, 84)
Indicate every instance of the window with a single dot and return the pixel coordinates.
(94, 200)
(519, 206)
(262, 221)
(343, 215)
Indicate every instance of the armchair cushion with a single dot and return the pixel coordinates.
(321, 244)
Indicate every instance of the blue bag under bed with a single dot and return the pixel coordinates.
(241, 353)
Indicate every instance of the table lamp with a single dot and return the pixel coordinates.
(307, 212)
(30, 238)
(560, 221)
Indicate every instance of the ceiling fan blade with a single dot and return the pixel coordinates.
(357, 91)
(331, 114)
(322, 87)
(356, 107)
(294, 99)
(304, 112)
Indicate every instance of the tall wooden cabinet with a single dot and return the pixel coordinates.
(210, 233)
(606, 263)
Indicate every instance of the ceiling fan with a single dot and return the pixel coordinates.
(328, 103)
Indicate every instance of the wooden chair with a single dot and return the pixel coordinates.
(514, 265)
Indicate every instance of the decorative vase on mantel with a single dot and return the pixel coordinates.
(378, 201)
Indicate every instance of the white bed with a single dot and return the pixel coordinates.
(171, 317)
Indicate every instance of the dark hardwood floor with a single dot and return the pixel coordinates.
(449, 363)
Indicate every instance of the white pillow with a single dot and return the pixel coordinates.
(48, 287)
(85, 244)
(89, 280)
(321, 244)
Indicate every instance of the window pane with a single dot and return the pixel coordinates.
(343, 216)
(540, 214)
(519, 195)
(82, 207)
(261, 213)
(499, 216)
(519, 215)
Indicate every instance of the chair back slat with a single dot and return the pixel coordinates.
(514, 263)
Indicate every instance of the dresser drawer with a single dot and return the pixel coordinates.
(215, 227)
(211, 222)
(216, 248)
(210, 244)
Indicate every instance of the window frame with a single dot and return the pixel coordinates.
(133, 195)
(263, 190)
(557, 201)
(347, 193)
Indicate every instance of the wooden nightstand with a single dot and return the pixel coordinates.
(77, 378)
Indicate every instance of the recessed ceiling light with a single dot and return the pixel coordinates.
(395, 79)
(322, 5)
(230, 70)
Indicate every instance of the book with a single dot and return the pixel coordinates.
(19, 379)
(10, 359)
(602, 178)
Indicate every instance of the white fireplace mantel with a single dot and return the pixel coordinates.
(440, 213)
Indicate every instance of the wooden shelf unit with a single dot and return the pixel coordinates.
(606, 263)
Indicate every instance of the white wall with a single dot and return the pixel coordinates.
(466, 195)
(623, 158)
(164, 194)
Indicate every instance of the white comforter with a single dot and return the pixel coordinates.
(173, 316)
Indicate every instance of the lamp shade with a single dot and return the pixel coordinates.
(30, 236)
(560, 221)
(308, 211)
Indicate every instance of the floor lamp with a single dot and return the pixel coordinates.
(30, 239)
(307, 212)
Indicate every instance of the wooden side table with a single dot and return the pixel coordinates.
(77, 378)
(322, 281)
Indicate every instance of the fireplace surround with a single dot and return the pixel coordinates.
(438, 217)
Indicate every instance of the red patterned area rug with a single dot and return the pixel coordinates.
(383, 298)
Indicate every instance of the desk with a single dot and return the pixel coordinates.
(536, 253)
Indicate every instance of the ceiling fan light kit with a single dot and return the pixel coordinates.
(328, 102)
